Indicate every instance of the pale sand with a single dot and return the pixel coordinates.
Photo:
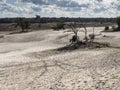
(24, 66)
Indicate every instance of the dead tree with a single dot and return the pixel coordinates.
(74, 27)
(88, 39)
(75, 38)
(82, 25)
(92, 36)
(86, 32)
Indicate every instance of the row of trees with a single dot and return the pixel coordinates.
(25, 24)
(39, 19)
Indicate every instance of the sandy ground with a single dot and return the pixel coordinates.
(27, 64)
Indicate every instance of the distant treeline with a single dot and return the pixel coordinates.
(62, 19)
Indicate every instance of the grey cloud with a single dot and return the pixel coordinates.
(58, 7)
(4, 7)
(67, 5)
(118, 7)
(36, 9)
(98, 10)
(60, 3)
(99, 0)
(40, 2)
(78, 8)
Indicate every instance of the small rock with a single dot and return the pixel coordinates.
(85, 81)
(51, 88)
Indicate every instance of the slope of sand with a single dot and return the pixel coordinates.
(26, 62)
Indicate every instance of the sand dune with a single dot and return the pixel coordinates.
(26, 62)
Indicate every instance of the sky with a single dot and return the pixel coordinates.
(59, 8)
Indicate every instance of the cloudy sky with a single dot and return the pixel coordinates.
(59, 8)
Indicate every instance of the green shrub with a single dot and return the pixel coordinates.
(113, 28)
(59, 26)
(118, 21)
(24, 24)
(106, 28)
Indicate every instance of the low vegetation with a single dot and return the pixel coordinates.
(113, 29)
(107, 28)
(23, 24)
(118, 21)
(59, 26)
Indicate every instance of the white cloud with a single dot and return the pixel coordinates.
(58, 8)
